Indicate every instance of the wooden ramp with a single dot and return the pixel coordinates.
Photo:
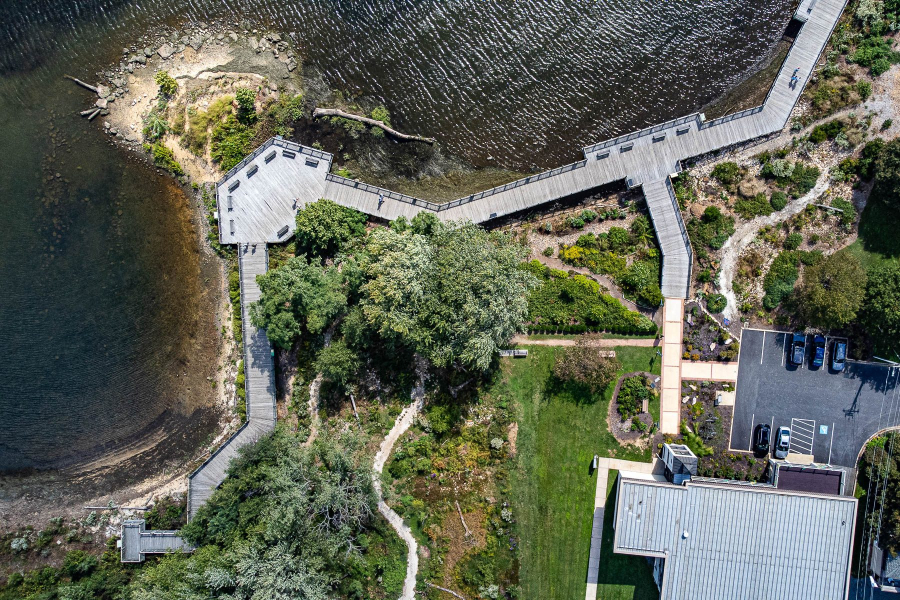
(136, 542)
(677, 257)
(259, 370)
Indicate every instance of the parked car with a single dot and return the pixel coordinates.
(818, 351)
(838, 355)
(782, 442)
(761, 438)
(798, 349)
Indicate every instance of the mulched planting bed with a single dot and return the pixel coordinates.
(706, 428)
(704, 339)
(629, 425)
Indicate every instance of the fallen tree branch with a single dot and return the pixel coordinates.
(466, 527)
(83, 84)
(451, 592)
(336, 112)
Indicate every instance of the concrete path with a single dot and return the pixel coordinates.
(709, 371)
(525, 340)
(401, 425)
(670, 385)
(604, 465)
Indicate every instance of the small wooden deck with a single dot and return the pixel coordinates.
(136, 542)
(259, 371)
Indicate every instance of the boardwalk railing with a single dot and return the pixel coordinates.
(374, 189)
(682, 228)
(282, 143)
(514, 184)
(641, 133)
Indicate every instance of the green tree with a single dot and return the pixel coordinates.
(832, 291)
(881, 313)
(338, 363)
(880, 464)
(583, 364)
(324, 228)
(299, 296)
(454, 296)
(642, 231)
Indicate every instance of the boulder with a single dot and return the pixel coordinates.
(196, 42)
(233, 36)
(697, 210)
(101, 103)
(291, 64)
(165, 51)
(148, 52)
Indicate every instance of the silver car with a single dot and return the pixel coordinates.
(782, 442)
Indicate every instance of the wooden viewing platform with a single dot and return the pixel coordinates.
(136, 542)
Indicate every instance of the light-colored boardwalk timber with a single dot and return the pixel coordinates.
(258, 198)
(136, 542)
(259, 372)
(677, 257)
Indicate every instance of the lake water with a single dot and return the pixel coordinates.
(105, 304)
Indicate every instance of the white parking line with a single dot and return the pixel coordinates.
(784, 349)
(762, 348)
(752, 426)
(831, 443)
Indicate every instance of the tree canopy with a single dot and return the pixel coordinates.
(881, 463)
(881, 313)
(286, 523)
(454, 295)
(324, 228)
(832, 291)
(583, 364)
(301, 295)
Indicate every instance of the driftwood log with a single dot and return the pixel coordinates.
(466, 527)
(451, 592)
(336, 112)
(83, 84)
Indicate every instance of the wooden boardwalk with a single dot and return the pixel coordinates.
(258, 198)
(259, 370)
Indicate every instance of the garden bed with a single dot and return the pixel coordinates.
(629, 423)
(706, 429)
(704, 339)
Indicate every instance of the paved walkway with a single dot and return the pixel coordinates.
(670, 386)
(604, 465)
(709, 371)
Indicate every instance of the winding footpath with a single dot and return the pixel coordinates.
(401, 425)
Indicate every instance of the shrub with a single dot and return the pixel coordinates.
(246, 101)
(780, 168)
(803, 179)
(826, 131)
(575, 222)
(632, 393)
(167, 84)
(588, 216)
(618, 239)
(716, 303)
(753, 207)
(864, 88)
(381, 113)
(886, 124)
(778, 200)
(712, 229)
(164, 158)
(876, 53)
(848, 216)
(793, 241)
(231, 141)
(779, 281)
(727, 173)
(548, 251)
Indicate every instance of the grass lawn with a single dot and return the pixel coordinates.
(560, 430)
(878, 241)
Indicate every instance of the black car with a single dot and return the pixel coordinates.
(798, 348)
(761, 438)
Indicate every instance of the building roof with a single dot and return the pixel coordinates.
(813, 479)
(891, 566)
(721, 542)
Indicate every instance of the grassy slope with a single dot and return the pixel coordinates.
(560, 430)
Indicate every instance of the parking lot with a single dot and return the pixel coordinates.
(831, 415)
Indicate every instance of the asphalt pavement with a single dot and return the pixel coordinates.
(831, 414)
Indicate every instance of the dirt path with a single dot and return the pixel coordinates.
(601, 343)
(746, 233)
(401, 425)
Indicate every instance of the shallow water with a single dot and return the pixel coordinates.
(104, 307)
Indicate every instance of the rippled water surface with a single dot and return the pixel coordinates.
(100, 280)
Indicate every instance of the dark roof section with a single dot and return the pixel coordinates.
(810, 479)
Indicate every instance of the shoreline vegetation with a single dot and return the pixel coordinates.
(194, 102)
